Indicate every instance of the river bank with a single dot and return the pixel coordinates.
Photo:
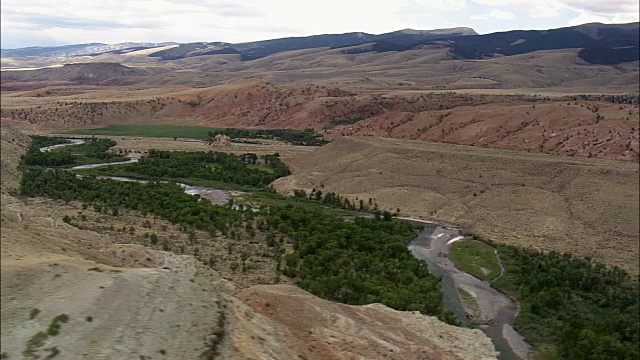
(493, 310)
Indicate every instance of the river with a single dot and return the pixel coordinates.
(495, 310)
(216, 196)
(72, 142)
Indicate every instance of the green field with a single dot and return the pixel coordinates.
(261, 168)
(307, 137)
(476, 258)
(196, 132)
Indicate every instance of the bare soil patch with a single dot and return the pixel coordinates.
(334, 331)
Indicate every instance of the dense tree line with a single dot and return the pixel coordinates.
(355, 262)
(307, 137)
(35, 157)
(572, 308)
(332, 199)
(42, 141)
(631, 99)
(246, 169)
(577, 308)
(163, 199)
(92, 151)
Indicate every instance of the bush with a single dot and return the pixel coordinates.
(56, 323)
(33, 313)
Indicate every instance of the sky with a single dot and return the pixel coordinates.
(49, 23)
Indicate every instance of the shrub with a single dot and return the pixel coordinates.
(54, 327)
(33, 313)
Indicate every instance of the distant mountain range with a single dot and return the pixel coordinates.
(80, 73)
(81, 49)
(249, 50)
(606, 44)
(602, 44)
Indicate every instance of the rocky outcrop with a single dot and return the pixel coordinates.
(221, 140)
(321, 329)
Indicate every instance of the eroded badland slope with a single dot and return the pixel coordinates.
(585, 206)
(333, 331)
(601, 127)
(127, 301)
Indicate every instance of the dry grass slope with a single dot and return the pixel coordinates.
(308, 322)
(585, 206)
(517, 122)
(131, 301)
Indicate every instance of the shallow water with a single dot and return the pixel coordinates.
(434, 250)
(91, 166)
(73, 142)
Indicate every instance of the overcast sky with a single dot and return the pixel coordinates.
(45, 22)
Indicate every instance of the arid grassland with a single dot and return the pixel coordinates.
(72, 276)
(585, 206)
(418, 194)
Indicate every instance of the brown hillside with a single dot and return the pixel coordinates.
(585, 206)
(560, 125)
(586, 129)
(309, 321)
(430, 67)
(125, 300)
(14, 144)
(81, 73)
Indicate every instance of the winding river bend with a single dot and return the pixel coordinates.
(495, 310)
(72, 142)
(216, 196)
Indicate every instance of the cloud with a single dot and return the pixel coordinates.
(626, 18)
(543, 9)
(117, 14)
(501, 15)
(37, 22)
(200, 20)
(611, 11)
(442, 4)
(30, 21)
(534, 9)
(479, 17)
(585, 18)
(230, 9)
(620, 9)
(496, 2)
(608, 7)
(495, 14)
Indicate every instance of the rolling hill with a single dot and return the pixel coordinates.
(123, 299)
(82, 73)
(618, 41)
(523, 137)
(587, 207)
(80, 49)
